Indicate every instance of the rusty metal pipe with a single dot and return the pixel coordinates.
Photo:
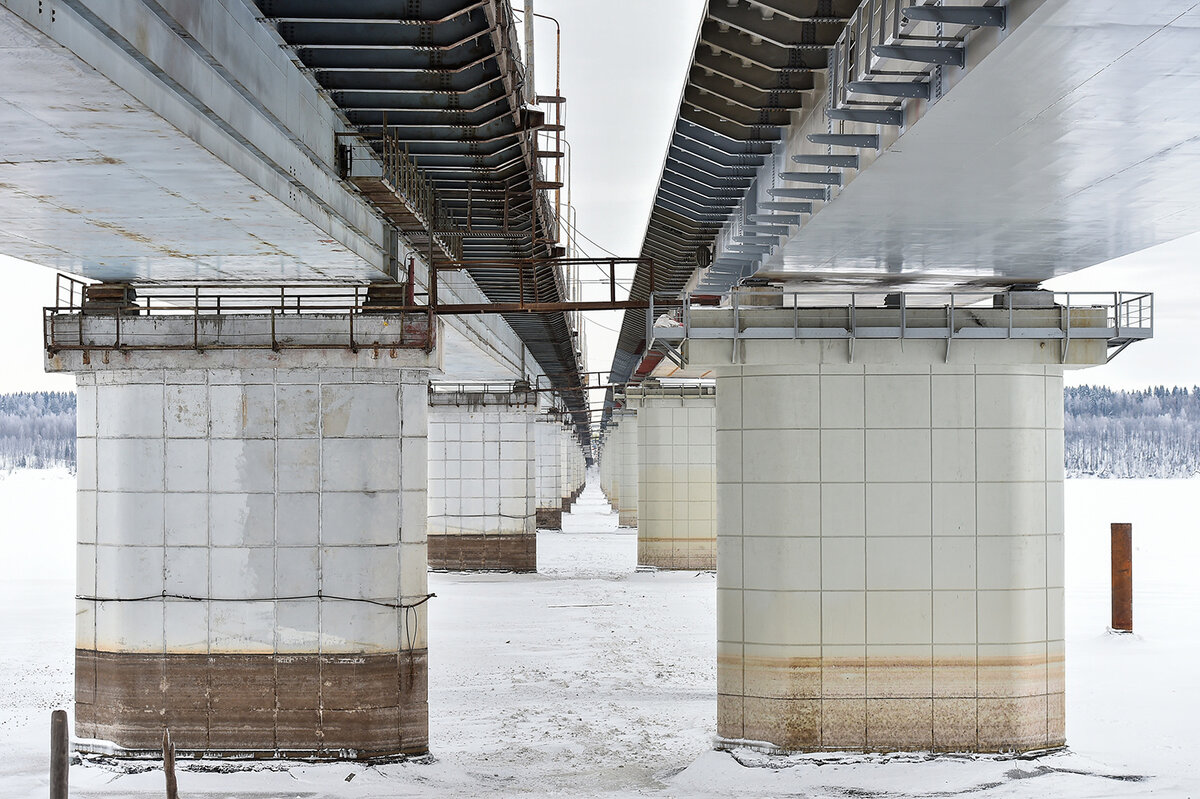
(1122, 577)
(60, 755)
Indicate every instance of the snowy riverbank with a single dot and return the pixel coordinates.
(590, 678)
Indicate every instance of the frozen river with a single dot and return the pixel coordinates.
(593, 679)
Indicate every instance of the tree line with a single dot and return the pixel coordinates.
(1154, 432)
(1150, 433)
(37, 430)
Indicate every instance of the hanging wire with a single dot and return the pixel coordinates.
(318, 595)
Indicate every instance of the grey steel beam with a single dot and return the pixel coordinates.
(886, 88)
(978, 16)
(824, 178)
(782, 32)
(739, 91)
(703, 189)
(731, 129)
(800, 194)
(861, 141)
(735, 112)
(842, 161)
(753, 75)
(949, 56)
(869, 115)
(723, 142)
(790, 207)
(699, 176)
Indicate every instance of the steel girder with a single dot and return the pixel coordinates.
(447, 77)
(752, 66)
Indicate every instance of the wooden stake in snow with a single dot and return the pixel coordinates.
(1122, 577)
(60, 754)
(169, 765)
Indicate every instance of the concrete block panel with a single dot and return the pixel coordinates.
(899, 455)
(129, 518)
(897, 401)
(187, 464)
(138, 413)
(241, 465)
(186, 410)
(130, 464)
(186, 519)
(843, 456)
(186, 571)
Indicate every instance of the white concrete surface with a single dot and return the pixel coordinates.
(251, 491)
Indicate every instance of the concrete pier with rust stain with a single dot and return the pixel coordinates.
(251, 552)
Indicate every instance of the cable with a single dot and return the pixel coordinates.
(586, 238)
(318, 595)
(597, 324)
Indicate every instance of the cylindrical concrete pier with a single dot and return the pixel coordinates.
(890, 555)
(627, 467)
(482, 481)
(550, 468)
(677, 508)
(252, 556)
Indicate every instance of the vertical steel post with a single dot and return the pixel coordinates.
(1122, 577)
(60, 761)
(530, 92)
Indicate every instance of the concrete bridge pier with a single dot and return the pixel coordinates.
(625, 485)
(251, 551)
(572, 473)
(890, 572)
(483, 480)
(890, 536)
(677, 506)
(610, 462)
(551, 466)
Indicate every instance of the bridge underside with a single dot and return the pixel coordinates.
(1064, 141)
(98, 184)
(1071, 143)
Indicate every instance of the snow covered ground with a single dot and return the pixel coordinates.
(592, 679)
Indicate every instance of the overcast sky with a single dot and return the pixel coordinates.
(623, 66)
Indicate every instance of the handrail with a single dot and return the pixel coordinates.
(1127, 316)
(400, 171)
(202, 302)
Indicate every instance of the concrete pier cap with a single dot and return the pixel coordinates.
(889, 535)
(251, 541)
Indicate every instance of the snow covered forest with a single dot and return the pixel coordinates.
(37, 430)
(1150, 433)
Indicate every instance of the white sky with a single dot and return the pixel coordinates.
(618, 123)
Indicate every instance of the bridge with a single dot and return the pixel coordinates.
(324, 318)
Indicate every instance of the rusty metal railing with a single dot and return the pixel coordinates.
(76, 323)
(405, 179)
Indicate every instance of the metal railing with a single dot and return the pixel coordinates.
(105, 325)
(1116, 317)
(406, 180)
